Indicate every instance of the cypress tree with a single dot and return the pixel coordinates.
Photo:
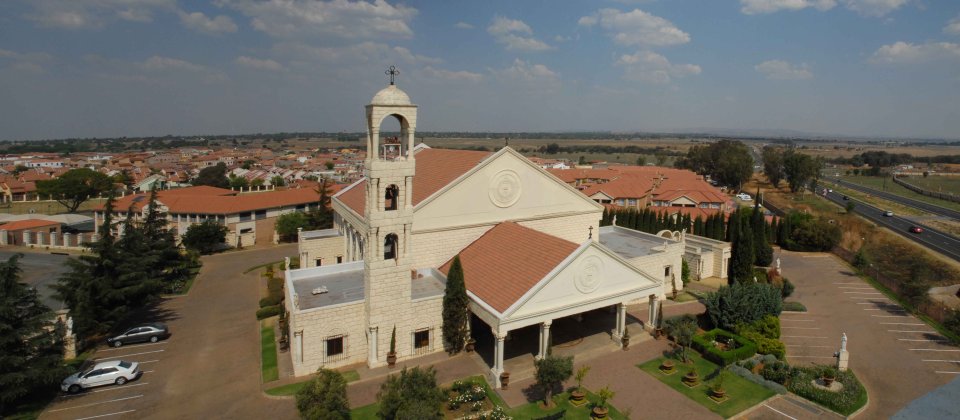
(763, 252)
(742, 254)
(698, 226)
(455, 312)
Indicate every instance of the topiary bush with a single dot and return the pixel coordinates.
(765, 345)
(778, 372)
(705, 344)
(794, 307)
(742, 303)
(757, 379)
(268, 311)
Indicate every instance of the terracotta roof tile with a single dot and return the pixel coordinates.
(435, 169)
(507, 261)
(212, 200)
(27, 224)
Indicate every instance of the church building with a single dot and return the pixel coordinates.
(530, 245)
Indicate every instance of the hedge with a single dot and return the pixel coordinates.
(268, 312)
(767, 345)
(851, 398)
(273, 299)
(757, 379)
(704, 344)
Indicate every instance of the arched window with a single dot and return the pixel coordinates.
(390, 247)
(391, 197)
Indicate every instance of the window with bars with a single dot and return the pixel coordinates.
(335, 348)
(421, 341)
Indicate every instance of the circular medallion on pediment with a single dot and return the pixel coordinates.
(505, 188)
(589, 274)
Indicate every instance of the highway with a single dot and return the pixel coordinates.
(931, 238)
(931, 208)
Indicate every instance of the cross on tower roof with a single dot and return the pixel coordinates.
(392, 72)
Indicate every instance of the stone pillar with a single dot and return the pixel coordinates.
(67, 237)
(498, 358)
(3, 237)
(39, 238)
(653, 313)
(26, 238)
(53, 238)
(120, 230)
(544, 339)
(621, 321)
(298, 348)
(843, 356)
(373, 358)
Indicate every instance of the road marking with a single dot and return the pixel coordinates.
(890, 316)
(121, 387)
(924, 339)
(798, 320)
(858, 287)
(800, 328)
(108, 414)
(899, 323)
(805, 345)
(781, 412)
(856, 282)
(149, 361)
(872, 309)
(936, 360)
(911, 331)
(864, 293)
(933, 350)
(811, 357)
(799, 336)
(96, 403)
(132, 347)
(948, 372)
(147, 371)
(128, 355)
(865, 297)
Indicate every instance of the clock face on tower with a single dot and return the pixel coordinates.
(505, 188)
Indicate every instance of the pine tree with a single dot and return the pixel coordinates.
(698, 226)
(31, 346)
(740, 269)
(763, 252)
(455, 312)
(605, 219)
(171, 265)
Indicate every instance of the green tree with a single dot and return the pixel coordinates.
(641, 160)
(682, 329)
(205, 237)
(799, 169)
(773, 165)
(456, 316)
(287, 225)
(329, 165)
(19, 169)
(257, 182)
(740, 268)
(172, 265)
(75, 187)
(239, 182)
(684, 271)
(550, 373)
(742, 303)
(850, 206)
(321, 217)
(214, 176)
(31, 343)
(413, 394)
(727, 161)
(763, 252)
(324, 397)
(277, 181)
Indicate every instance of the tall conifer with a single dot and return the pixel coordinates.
(455, 312)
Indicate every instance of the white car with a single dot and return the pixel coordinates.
(744, 197)
(888, 213)
(104, 373)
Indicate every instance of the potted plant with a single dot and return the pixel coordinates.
(578, 395)
(600, 410)
(828, 375)
(471, 343)
(692, 378)
(504, 380)
(667, 366)
(625, 340)
(717, 390)
(392, 355)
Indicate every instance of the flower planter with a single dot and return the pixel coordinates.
(667, 366)
(577, 396)
(471, 344)
(600, 412)
(691, 379)
(658, 333)
(718, 393)
(504, 380)
(391, 359)
(626, 342)
(827, 381)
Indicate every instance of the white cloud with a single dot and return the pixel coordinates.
(201, 23)
(259, 64)
(511, 33)
(33, 62)
(907, 53)
(636, 28)
(523, 71)
(755, 7)
(463, 25)
(83, 14)
(874, 8)
(460, 76)
(337, 18)
(650, 67)
(953, 27)
(412, 58)
(159, 63)
(782, 70)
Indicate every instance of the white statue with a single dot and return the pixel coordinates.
(843, 342)
(778, 265)
(614, 220)
(286, 262)
(69, 325)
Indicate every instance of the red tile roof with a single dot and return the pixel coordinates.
(626, 186)
(435, 169)
(212, 200)
(27, 224)
(507, 261)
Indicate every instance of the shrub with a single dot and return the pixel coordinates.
(413, 394)
(270, 300)
(275, 284)
(205, 237)
(757, 379)
(268, 311)
(768, 326)
(705, 344)
(794, 307)
(787, 289)
(811, 234)
(324, 397)
(851, 398)
(778, 372)
(952, 322)
(742, 303)
(765, 345)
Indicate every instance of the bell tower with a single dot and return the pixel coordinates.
(389, 168)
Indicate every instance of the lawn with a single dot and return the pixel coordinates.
(742, 393)
(562, 402)
(292, 389)
(268, 351)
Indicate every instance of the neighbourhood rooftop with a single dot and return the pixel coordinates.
(629, 243)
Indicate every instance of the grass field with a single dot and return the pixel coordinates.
(742, 393)
(936, 183)
(292, 389)
(892, 187)
(268, 351)
(46, 207)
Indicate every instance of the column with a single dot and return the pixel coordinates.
(66, 239)
(26, 238)
(621, 321)
(39, 238)
(53, 238)
(653, 315)
(373, 356)
(544, 339)
(3, 237)
(498, 358)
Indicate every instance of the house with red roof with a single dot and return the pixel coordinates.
(529, 243)
(21, 232)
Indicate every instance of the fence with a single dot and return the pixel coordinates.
(918, 190)
(931, 308)
(50, 240)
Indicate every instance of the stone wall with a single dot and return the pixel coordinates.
(328, 249)
(314, 327)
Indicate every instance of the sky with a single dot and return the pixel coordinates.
(114, 68)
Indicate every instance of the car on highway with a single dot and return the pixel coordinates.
(916, 229)
(846, 198)
(888, 213)
(147, 332)
(744, 197)
(104, 373)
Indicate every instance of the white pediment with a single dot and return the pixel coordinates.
(593, 277)
(505, 186)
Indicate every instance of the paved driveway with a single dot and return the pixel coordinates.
(208, 368)
(896, 356)
(40, 270)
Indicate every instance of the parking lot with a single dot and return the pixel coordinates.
(896, 356)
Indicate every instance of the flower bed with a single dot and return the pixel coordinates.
(468, 398)
(712, 345)
(851, 398)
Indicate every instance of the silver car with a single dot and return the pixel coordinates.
(104, 373)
